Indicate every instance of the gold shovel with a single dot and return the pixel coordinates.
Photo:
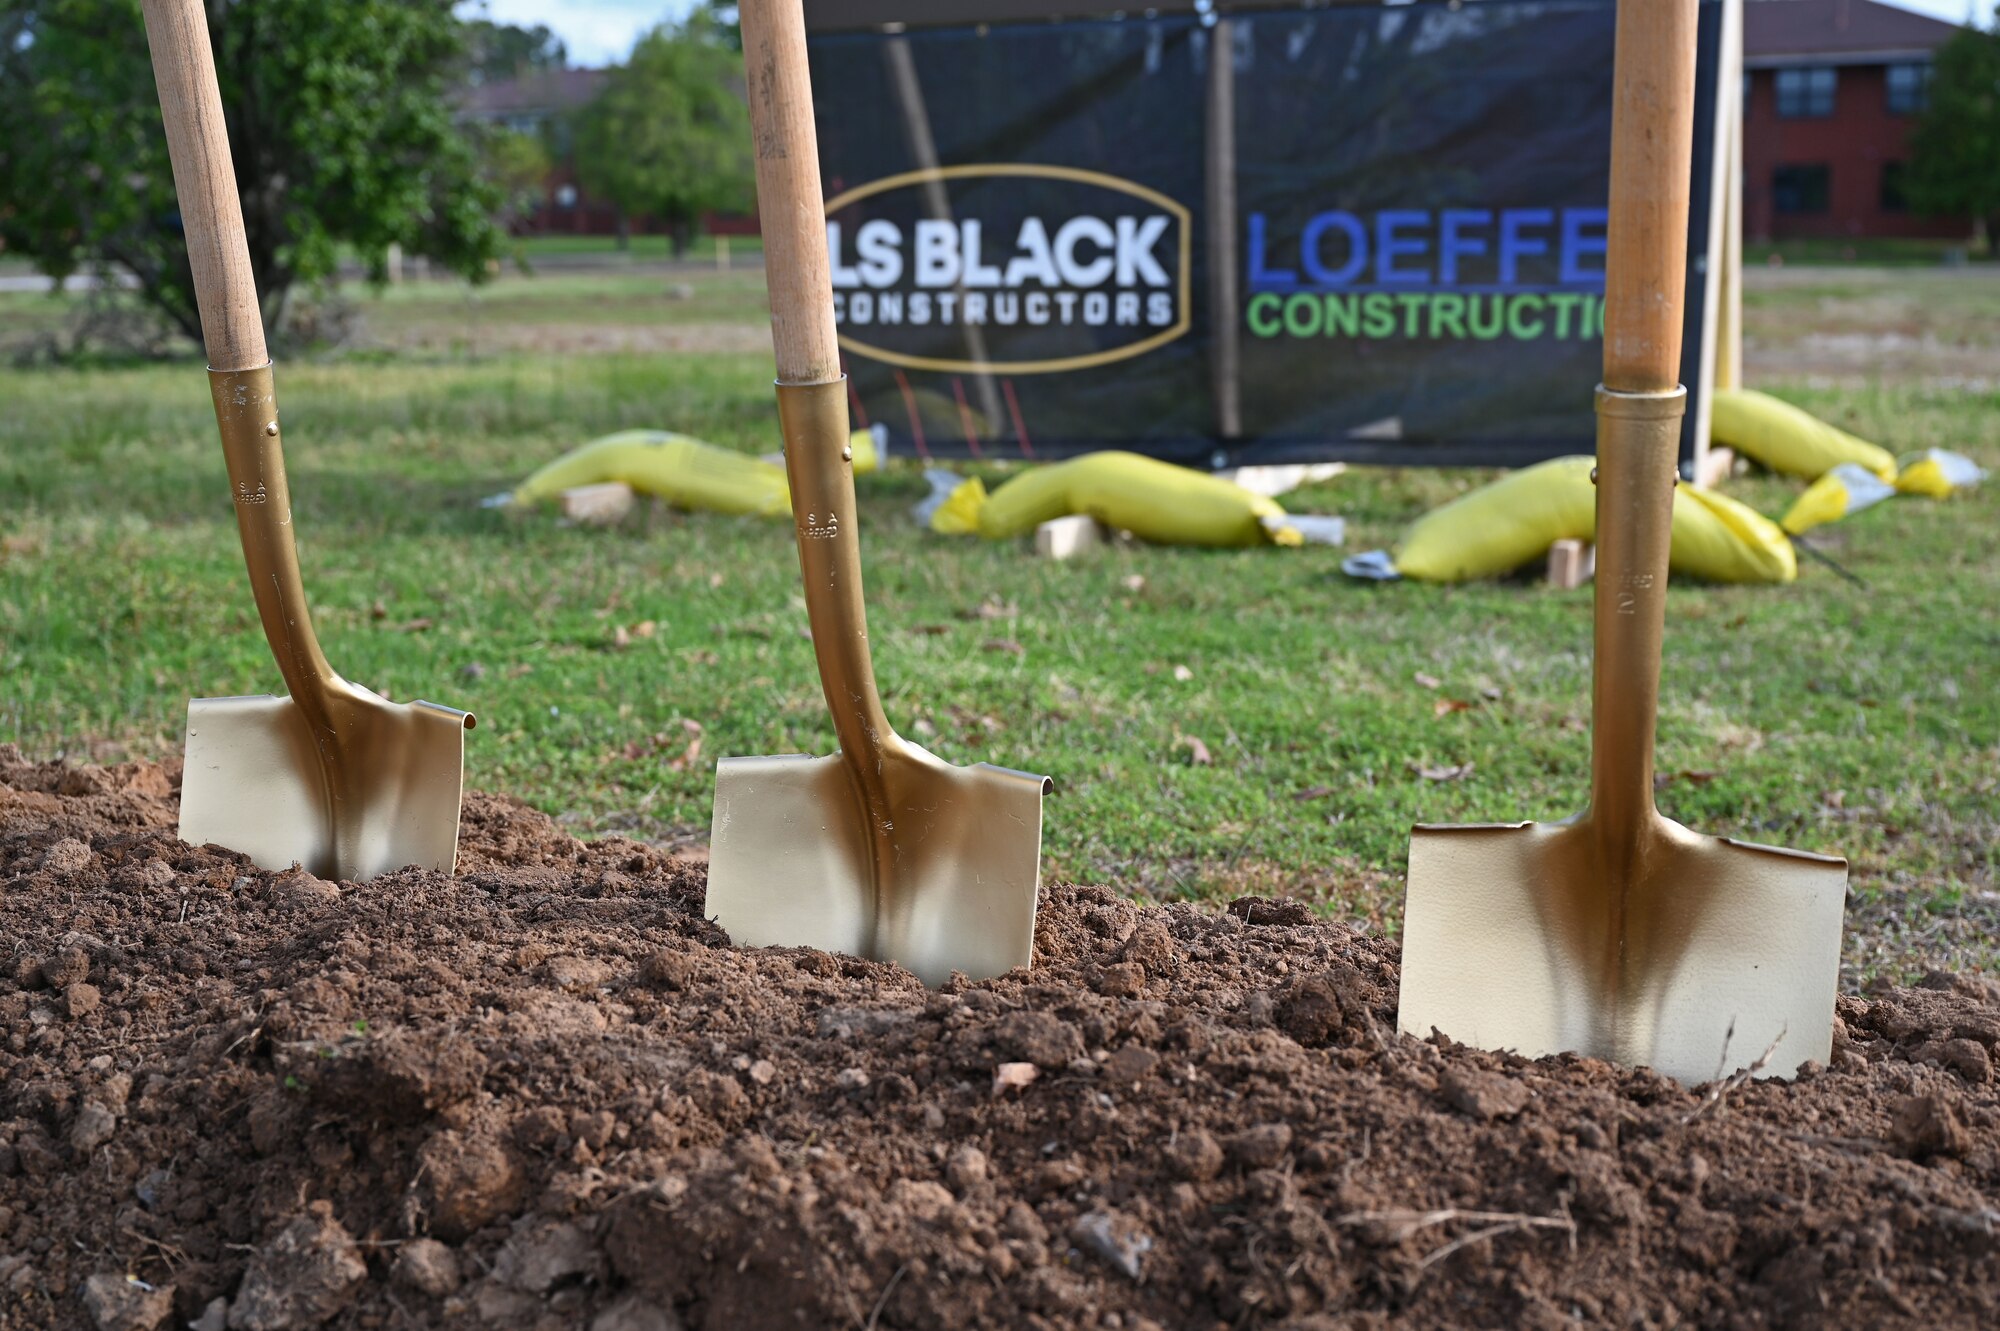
(1619, 933)
(332, 777)
(881, 850)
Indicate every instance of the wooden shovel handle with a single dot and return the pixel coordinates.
(790, 210)
(1652, 159)
(211, 213)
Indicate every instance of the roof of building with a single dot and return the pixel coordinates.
(1777, 32)
(544, 90)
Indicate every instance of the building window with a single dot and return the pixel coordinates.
(1892, 199)
(1801, 188)
(1909, 89)
(1806, 92)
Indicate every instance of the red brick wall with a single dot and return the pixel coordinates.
(1854, 142)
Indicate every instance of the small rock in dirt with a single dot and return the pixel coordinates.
(215, 1317)
(81, 999)
(427, 1266)
(634, 1313)
(93, 1127)
(1134, 1062)
(667, 970)
(1150, 946)
(1041, 1038)
(1260, 1147)
(71, 966)
(297, 889)
(852, 1079)
(763, 1071)
(1928, 1125)
(1482, 1095)
(1013, 1077)
(120, 1303)
(538, 1258)
(464, 1183)
(1267, 910)
(1195, 1156)
(1121, 979)
(1023, 1224)
(966, 1169)
(156, 874)
(303, 1278)
(1118, 1241)
(66, 856)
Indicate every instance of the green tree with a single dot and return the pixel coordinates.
(1954, 166)
(669, 136)
(340, 127)
(497, 52)
(517, 166)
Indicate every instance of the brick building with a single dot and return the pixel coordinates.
(1831, 89)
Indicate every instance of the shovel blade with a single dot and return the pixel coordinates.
(254, 783)
(1714, 953)
(792, 864)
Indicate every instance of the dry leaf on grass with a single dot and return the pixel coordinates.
(1446, 706)
(1183, 674)
(1458, 773)
(1007, 645)
(1428, 681)
(1198, 754)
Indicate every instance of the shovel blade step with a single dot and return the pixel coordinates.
(253, 783)
(1720, 951)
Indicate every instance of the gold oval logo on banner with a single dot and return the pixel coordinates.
(1183, 311)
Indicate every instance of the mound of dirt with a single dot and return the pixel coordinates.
(547, 1094)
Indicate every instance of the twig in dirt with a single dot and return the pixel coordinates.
(1734, 1080)
(882, 1301)
(1401, 1224)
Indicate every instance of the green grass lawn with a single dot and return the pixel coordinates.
(1821, 715)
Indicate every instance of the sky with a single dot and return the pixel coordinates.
(600, 32)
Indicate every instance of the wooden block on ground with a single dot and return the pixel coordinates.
(1716, 465)
(1062, 538)
(1571, 563)
(599, 505)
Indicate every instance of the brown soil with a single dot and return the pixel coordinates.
(547, 1094)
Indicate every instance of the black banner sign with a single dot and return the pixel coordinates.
(1365, 233)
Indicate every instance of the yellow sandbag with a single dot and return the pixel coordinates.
(1780, 437)
(1718, 539)
(1845, 490)
(1936, 473)
(1499, 527)
(1155, 501)
(684, 471)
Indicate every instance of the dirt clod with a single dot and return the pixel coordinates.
(547, 1093)
(304, 1277)
(65, 968)
(1928, 1125)
(66, 856)
(1482, 1095)
(427, 1266)
(119, 1303)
